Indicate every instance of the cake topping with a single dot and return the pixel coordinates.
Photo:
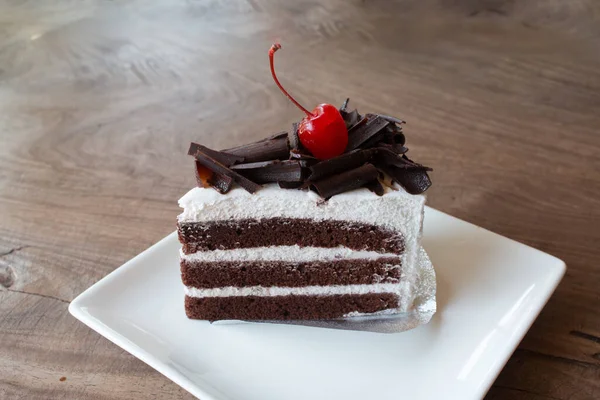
(345, 181)
(329, 151)
(218, 169)
(283, 159)
(288, 171)
(275, 147)
(323, 131)
(366, 129)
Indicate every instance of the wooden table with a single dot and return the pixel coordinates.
(99, 101)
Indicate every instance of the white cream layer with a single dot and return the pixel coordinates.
(285, 254)
(298, 291)
(396, 209)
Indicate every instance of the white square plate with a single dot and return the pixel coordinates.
(490, 289)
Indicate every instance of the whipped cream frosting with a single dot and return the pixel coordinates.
(263, 291)
(285, 253)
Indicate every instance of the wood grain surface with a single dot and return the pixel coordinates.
(100, 99)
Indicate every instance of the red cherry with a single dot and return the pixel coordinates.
(323, 131)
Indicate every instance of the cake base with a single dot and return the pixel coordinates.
(234, 234)
(290, 274)
(287, 307)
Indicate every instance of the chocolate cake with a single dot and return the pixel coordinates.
(322, 222)
(343, 243)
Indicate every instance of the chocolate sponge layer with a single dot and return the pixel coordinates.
(204, 236)
(289, 274)
(287, 307)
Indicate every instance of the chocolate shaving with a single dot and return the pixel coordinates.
(344, 106)
(345, 181)
(392, 134)
(363, 132)
(345, 162)
(362, 121)
(375, 187)
(224, 158)
(272, 148)
(395, 148)
(273, 171)
(388, 157)
(205, 177)
(350, 118)
(414, 181)
(391, 119)
(290, 185)
(380, 156)
(219, 169)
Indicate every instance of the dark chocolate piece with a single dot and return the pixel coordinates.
(276, 147)
(290, 185)
(220, 169)
(392, 134)
(375, 187)
(272, 171)
(395, 148)
(223, 158)
(350, 118)
(383, 155)
(344, 106)
(204, 176)
(345, 181)
(363, 132)
(388, 157)
(339, 164)
(391, 119)
(414, 179)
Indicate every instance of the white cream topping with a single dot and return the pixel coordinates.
(285, 253)
(395, 209)
(287, 291)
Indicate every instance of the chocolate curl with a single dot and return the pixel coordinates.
(375, 187)
(223, 158)
(391, 119)
(206, 178)
(383, 155)
(344, 106)
(350, 117)
(339, 164)
(290, 171)
(290, 185)
(392, 134)
(413, 180)
(345, 181)
(361, 133)
(219, 170)
(276, 147)
(394, 148)
(387, 157)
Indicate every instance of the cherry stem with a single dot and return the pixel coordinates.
(272, 51)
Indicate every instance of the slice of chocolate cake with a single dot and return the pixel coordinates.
(285, 254)
(320, 223)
